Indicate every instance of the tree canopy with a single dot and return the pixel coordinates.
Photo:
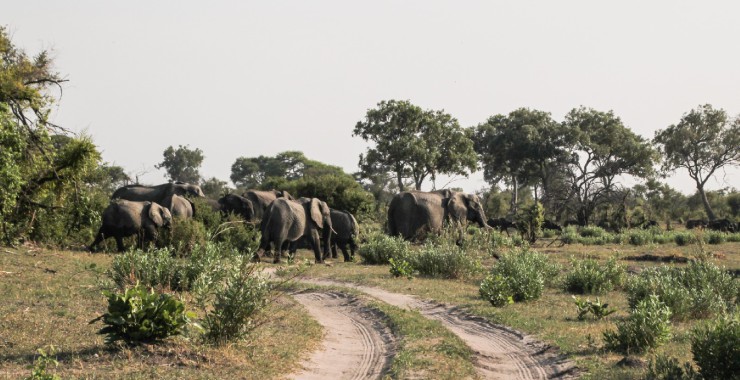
(703, 141)
(182, 164)
(413, 143)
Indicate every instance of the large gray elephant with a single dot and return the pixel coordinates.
(124, 218)
(232, 203)
(285, 221)
(157, 193)
(413, 214)
(180, 207)
(262, 198)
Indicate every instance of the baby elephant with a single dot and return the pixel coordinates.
(124, 218)
(345, 231)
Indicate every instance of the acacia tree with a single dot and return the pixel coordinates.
(413, 143)
(603, 150)
(182, 164)
(521, 149)
(702, 142)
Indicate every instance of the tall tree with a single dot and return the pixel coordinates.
(604, 149)
(182, 164)
(413, 143)
(702, 142)
(520, 149)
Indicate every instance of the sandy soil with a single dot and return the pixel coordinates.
(357, 344)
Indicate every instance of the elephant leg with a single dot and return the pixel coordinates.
(352, 248)
(99, 238)
(343, 247)
(119, 243)
(317, 250)
(334, 249)
(278, 252)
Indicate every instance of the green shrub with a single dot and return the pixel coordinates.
(149, 268)
(733, 238)
(526, 272)
(495, 289)
(684, 238)
(715, 237)
(698, 290)
(444, 261)
(401, 268)
(235, 233)
(204, 214)
(241, 297)
(716, 348)
(184, 236)
(647, 327)
(593, 231)
(662, 367)
(640, 237)
(598, 309)
(592, 277)
(570, 235)
(139, 315)
(379, 248)
(41, 363)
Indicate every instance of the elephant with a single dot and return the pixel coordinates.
(723, 225)
(548, 224)
(124, 218)
(180, 207)
(285, 221)
(696, 223)
(650, 224)
(232, 203)
(346, 230)
(502, 224)
(157, 193)
(262, 198)
(412, 214)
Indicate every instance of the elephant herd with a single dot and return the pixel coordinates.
(285, 223)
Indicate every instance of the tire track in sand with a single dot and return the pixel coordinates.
(500, 352)
(357, 344)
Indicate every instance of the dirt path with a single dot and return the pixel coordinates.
(357, 344)
(500, 352)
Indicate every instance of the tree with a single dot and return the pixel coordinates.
(214, 187)
(702, 142)
(42, 168)
(603, 149)
(520, 149)
(413, 143)
(182, 164)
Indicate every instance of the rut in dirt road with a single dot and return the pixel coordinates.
(357, 344)
(500, 352)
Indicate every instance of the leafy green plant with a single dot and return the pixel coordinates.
(139, 315)
(526, 272)
(150, 268)
(592, 277)
(184, 236)
(444, 261)
(598, 309)
(40, 365)
(495, 289)
(647, 327)
(684, 238)
(236, 304)
(662, 367)
(593, 231)
(401, 268)
(716, 347)
(379, 248)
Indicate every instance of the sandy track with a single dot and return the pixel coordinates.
(500, 352)
(357, 344)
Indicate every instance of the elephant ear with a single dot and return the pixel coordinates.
(316, 214)
(457, 207)
(155, 214)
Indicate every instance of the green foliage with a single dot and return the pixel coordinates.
(380, 248)
(149, 268)
(184, 236)
(598, 309)
(526, 272)
(401, 268)
(496, 290)
(237, 234)
(40, 365)
(442, 261)
(530, 221)
(698, 290)
(138, 315)
(684, 238)
(662, 367)
(716, 347)
(592, 231)
(236, 304)
(214, 188)
(591, 277)
(715, 237)
(182, 164)
(647, 327)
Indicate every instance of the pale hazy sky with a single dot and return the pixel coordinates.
(238, 78)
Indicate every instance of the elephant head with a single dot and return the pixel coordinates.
(160, 216)
(185, 189)
(464, 207)
(237, 204)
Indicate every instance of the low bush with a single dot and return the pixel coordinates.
(138, 315)
(592, 231)
(715, 237)
(379, 248)
(570, 235)
(526, 272)
(662, 367)
(41, 364)
(442, 261)
(592, 277)
(716, 347)
(684, 238)
(236, 304)
(184, 236)
(647, 327)
(640, 237)
(401, 268)
(149, 268)
(698, 290)
(597, 308)
(495, 289)
(237, 234)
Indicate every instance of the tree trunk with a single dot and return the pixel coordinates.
(705, 201)
(514, 196)
(400, 181)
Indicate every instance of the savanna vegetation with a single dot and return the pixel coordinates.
(625, 279)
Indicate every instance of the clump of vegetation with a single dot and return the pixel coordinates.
(184, 236)
(237, 234)
(716, 347)
(593, 231)
(496, 290)
(647, 327)
(598, 309)
(379, 248)
(401, 268)
(138, 315)
(445, 261)
(662, 367)
(241, 297)
(592, 277)
(698, 290)
(152, 268)
(684, 238)
(40, 365)
(526, 272)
